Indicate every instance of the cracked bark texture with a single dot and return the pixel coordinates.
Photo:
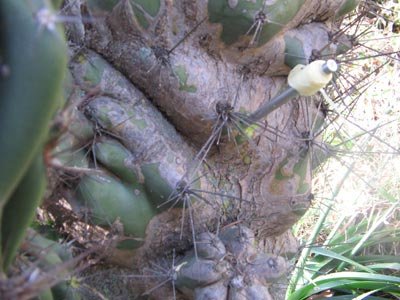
(159, 70)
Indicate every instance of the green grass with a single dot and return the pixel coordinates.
(351, 237)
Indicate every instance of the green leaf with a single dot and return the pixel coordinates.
(351, 280)
(364, 295)
(331, 254)
(386, 266)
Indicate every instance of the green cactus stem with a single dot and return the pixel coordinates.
(117, 159)
(144, 10)
(50, 255)
(20, 210)
(294, 52)
(110, 200)
(348, 6)
(36, 57)
(251, 17)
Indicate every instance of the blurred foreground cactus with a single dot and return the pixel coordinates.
(30, 92)
(154, 148)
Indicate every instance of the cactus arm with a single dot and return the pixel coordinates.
(20, 210)
(36, 58)
(348, 6)
(118, 160)
(110, 199)
(52, 254)
(238, 19)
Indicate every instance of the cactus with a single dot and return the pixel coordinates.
(195, 275)
(50, 255)
(36, 58)
(144, 171)
(52, 275)
(167, 87)
(348, 6)
(28, 105)
(109, 200)
(19, 212)
(239, 18)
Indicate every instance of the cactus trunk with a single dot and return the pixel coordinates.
(159, 136)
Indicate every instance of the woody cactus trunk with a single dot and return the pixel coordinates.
(161, 94)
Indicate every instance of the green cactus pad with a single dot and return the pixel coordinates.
(59, 252)
(109, 200)
(94, 70)
(294, 52)
(117, 159)
(144, 10)
(20, 210)
(237, 20)
(278, 15)
(36, 56)
(157, 187)
(51, 254)
(348, 6)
